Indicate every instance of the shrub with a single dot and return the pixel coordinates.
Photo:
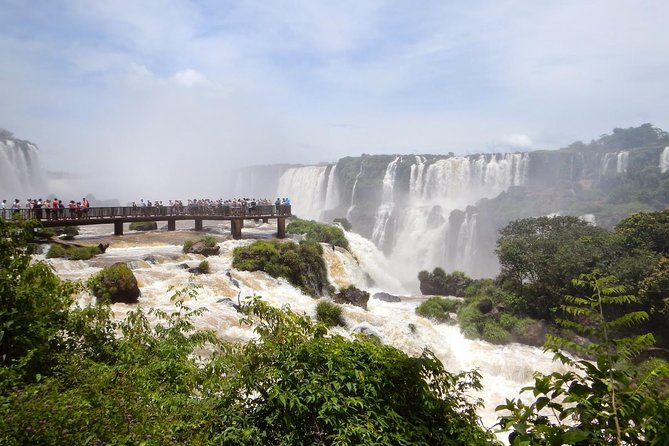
(329, 313)
(318, 232)
(301, 264)
(114, 283)
(440, 283)
(494, 333)
(344, 223)
(204, 267)
(143, 226)
(188, 244)
(72, 252)
(209, 241)
(438, 309)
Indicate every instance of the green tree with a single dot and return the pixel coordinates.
(599, 401)
(539, 256)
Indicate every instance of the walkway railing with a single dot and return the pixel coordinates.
(137, 212)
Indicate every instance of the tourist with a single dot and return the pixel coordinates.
(4, 208)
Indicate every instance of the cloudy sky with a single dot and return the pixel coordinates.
(187, 87)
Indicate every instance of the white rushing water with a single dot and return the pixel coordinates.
(418, 233)
(387, 204)
(664, 160)
(20, 170)
(306, 187)
(505, 369)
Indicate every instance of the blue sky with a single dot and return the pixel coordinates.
(170, 83)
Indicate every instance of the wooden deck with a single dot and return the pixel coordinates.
(118, 215)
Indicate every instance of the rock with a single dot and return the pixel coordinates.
(386, 297)
(352, 295)
(195, 270)
(535, 334)
(201, 248)
(115, 283)
(229, 302)
(150, 259)
(103, 247)
(368, 331)
(183, 266)
(485, 306)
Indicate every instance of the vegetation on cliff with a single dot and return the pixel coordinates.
(301, 264)
(318, 232)
(439, 283)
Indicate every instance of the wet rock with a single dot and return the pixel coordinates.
(150, 259)
(229, 302)
(201, 248)
(183, 266)
(353, 296)
(103, 247)
(485, 306)
(535, 334)
(386, 297)
(115, 283)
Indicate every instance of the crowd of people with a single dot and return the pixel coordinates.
(46, 209)
(55, 209)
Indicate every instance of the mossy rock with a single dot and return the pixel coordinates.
(115, 283)
(74, 252)
(206, 246)
(352, 295)
(143, 226)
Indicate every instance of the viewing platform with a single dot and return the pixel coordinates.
(50, 218)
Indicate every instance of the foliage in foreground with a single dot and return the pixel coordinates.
(602, 401)
(329, 314)
(301, 264)
(318, 232)
(72, 375)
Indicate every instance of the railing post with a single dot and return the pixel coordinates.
(281, 227)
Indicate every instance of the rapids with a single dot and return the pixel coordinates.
(155, 258)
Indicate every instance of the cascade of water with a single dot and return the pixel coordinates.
(387, 204)
(664, 160)
(466, 250)
(504, 369)
(622, 161)
(416, 179)
(306, 187)
(355, 185)
(332, 190)
(606, 161)
(20, 169)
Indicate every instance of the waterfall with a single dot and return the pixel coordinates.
(387, 204)
(606, 161)
(306, 187)
(355, 184)
(332, 190)
(416, 177)
(21, 172)
(622, 161)
(664, 160)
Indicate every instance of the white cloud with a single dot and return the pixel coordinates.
(189, 78)
(517, 141)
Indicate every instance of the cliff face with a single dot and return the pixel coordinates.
(445, 210)
(20, 169)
